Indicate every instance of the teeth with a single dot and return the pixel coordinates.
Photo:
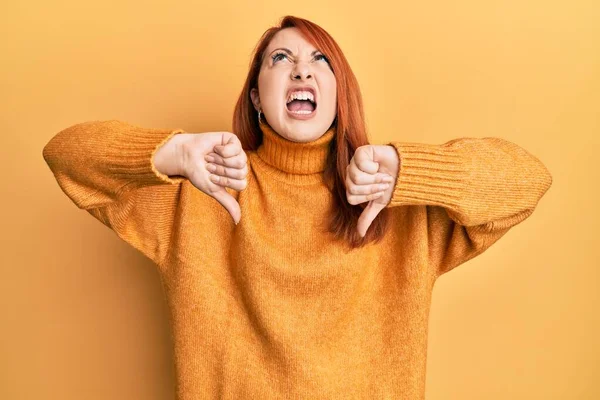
(301, 95)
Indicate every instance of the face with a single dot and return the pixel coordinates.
(304, 66)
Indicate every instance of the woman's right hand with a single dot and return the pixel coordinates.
(222, 152)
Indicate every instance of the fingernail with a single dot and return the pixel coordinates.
(209, 158)
(388, 179)
(211, 167)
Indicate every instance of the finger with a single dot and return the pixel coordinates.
(231, 148)
(236, 161)
(229, 172)
(359, 177)
(363, 158)
(358, 199)
(230, 204)
(367, 189)
(236, 184)
(367, 217)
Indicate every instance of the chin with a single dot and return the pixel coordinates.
(303, 134)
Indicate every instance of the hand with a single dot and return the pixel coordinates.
(371, 167)
(214, 161)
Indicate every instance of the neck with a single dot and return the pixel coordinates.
(294, 157)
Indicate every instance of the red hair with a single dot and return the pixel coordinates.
(349, 122)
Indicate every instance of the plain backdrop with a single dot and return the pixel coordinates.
(83, 314)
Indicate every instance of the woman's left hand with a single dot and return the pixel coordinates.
(371, 167)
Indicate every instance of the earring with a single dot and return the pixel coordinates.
(259, 111)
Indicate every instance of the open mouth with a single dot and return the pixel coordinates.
(301, 107)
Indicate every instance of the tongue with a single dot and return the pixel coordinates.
(297, 105)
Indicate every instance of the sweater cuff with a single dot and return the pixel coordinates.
(429, 174)
(133, 161)
(173, 179)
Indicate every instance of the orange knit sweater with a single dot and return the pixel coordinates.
(274, 308)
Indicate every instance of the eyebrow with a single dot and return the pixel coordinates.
(290, 52)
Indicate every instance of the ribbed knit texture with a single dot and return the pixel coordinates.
(276, 307)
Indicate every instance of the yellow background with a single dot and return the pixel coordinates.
(83, 314)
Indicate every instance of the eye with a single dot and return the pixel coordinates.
(275, 57)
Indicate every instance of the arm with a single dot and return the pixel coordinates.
(107, 168)
(474, 190)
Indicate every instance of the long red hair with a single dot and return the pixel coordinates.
(349, 122)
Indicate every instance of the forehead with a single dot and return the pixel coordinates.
(291, 39)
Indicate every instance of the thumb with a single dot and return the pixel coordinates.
(373, 167)
(368, 215)
(230, 204)
(366, 160)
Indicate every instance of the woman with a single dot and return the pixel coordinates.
(312, 293)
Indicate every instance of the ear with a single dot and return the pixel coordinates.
(255, 98)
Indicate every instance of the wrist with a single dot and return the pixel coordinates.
(181, 153)
(168, 159)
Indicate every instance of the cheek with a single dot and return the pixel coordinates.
(273, 87)
(331, 92)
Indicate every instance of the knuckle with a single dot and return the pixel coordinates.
(350, 198)
(352, 176)
(216, 157)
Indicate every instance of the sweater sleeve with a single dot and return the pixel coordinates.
(474, 190)
(106, 168)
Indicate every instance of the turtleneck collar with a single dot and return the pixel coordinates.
(294, 157)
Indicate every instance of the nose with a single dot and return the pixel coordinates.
(301, 71)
